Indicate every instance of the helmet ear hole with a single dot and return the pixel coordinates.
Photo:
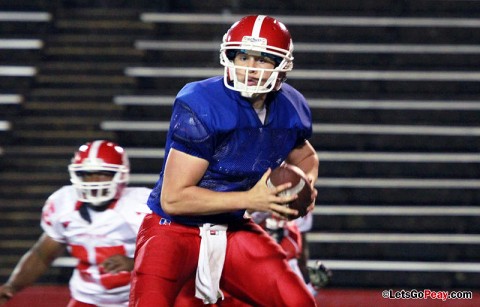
(231, 54)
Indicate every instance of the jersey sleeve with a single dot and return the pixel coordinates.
(305, 118)
(51, 212)
(296, 109)
(189, 133)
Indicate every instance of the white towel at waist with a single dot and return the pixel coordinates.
(211, 258)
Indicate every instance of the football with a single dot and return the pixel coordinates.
(300, 185)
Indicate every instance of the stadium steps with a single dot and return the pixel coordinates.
(74, 77)
(80, 71)
(9, 107)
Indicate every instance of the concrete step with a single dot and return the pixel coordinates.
(77, 109)
(95, 12)
(394, 251)
(114, 27)
(23, 204)
(51, 138)
(394, 277)
(38, 192)
(85, 81)
(375, 169)
(359, 223)
(94, 54)
(52, 123)
(347, 7)
(387, 195)
(76, 94)
(40, 151)
(84, 67)
(53, 170)
(19, 233)
(97, 40)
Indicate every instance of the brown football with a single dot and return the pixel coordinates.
(300, 185)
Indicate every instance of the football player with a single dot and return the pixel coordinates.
(96, 219)
(226, 134)
(291, 235)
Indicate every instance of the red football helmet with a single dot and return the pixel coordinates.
(257, 35)
(99, 156)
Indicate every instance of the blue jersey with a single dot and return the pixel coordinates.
(217, 124)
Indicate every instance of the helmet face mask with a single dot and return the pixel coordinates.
(252, 80)
(259, 36)
(108, 161)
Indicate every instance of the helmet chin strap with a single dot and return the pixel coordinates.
(247, 94)
(249, 91)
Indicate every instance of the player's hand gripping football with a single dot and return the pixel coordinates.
(265, 199)
(302, 186)
(117, 263)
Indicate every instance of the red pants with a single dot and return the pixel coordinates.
(255, 269)
(75, 303)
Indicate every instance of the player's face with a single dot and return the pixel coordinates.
(97, 177)
(258, 64)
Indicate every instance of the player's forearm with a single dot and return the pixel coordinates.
(310, 166)
(27, 271)
(199, 201)
(306, 158)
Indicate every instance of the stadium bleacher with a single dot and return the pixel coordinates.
(393, 87)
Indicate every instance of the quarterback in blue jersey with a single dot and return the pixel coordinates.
(226, 135)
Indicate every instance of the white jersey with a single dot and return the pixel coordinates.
(113, 231)
(304, 223)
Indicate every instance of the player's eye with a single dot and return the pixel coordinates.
(266, 60)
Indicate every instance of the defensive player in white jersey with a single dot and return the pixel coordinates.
(97, 219)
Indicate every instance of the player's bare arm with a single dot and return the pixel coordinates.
(32, 265)
(182, 196)
(305, 157)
